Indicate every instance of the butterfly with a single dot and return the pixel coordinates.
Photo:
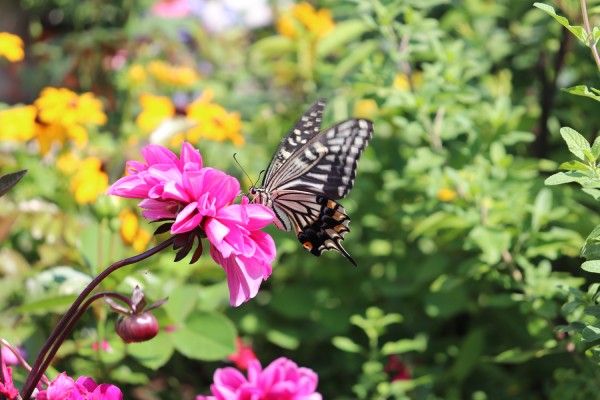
(309, 171)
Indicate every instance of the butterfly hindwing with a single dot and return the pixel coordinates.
(328, 230)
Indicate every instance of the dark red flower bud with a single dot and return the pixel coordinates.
(136, 328)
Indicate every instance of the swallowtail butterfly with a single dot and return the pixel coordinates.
(309, 171)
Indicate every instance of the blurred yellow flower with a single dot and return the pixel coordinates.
(213, 122)
(155, 109)
(18, 123)
(89, 181)
(365, 108)
(318, 22)
(130, 231)
(67, 163)
(402, 82)
(63, 106)
(63, 115)
(11, 47)
(137, 74)
(181, 76)
(446, 195)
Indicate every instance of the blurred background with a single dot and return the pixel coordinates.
(468, 264)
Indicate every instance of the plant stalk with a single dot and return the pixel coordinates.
(69, 318)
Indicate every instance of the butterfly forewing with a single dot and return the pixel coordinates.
(327, 164)
(307, 127)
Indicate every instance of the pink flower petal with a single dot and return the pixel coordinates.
(187, 219)
(156, 154)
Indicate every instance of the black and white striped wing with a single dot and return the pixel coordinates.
(308, 126)
(327, 163)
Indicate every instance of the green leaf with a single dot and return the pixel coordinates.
(272, 46)
(582, 90)
(559, 178)
(590, 333)
(574, 165)
(283, 340)
(355, 57)
(154, 353)
(592, 266)
(9, 180)
(53, 303)
(576, 143)
(181, 302)
(596, 147)
(346, 344)
(419, 344)
(541, 209)
(344, 33)
(576, 30)
(207, 336)
(595, 193)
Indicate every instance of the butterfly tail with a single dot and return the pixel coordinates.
(328, 231)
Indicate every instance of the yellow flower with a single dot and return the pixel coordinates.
(17, 123)
(89, 181)
(365, 108)
(130, 231)
(181, 76)
(129, 225)
(319, 23)
(63, 115)
(11, 47)
(402, 83)
(446, 195)
(63, 106)
(155, 109)
(67, 163)
(213, 122)
(137, 74)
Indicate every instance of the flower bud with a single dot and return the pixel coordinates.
(136, 328)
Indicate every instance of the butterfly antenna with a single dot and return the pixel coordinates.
(242, 168)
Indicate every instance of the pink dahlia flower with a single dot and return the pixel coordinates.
(171, 8)
(84, 388)
(199, 201)
(281, 380)
(7, 386)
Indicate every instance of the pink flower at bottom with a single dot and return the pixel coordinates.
(280, 380)
(84, 388)
(7, 387)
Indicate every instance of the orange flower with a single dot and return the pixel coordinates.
(365, 108)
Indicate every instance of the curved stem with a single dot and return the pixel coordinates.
(588, 31)
(73, 311)
(69, 327)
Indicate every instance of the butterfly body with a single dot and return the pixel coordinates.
(309, 171)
